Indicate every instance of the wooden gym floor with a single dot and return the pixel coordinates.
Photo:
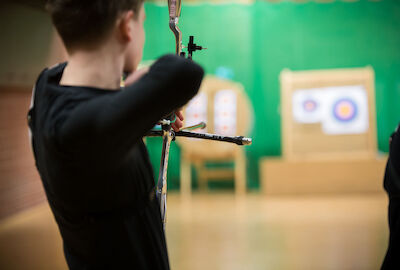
(219, 231)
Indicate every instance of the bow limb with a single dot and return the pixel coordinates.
(174, 8)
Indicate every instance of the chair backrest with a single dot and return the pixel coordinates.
(226, 109)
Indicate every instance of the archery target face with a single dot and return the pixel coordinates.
(310, 105)
(196, 111)
(345, 110)
(225, 112)
(340, 110)
(307, 106)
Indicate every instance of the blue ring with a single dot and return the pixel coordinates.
(345, 119)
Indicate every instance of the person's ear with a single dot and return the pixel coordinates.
(125, 26)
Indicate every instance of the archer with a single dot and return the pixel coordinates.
(87, 134)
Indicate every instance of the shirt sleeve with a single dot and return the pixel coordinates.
(395, 149)
(107, 126)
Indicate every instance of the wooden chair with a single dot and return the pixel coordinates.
(226, 109)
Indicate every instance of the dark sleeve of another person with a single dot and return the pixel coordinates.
(107, 126)
(395, 150)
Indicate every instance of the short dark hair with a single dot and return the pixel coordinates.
(87, 22)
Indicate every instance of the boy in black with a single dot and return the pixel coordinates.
(392, 187)
(87, 134)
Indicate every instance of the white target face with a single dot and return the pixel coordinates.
(196, 111)
(307, 106)
(347, 111)
(340, 110)
(225, 107)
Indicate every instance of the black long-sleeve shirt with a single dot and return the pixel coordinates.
(95, 168)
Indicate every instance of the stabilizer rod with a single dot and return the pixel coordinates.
(239, 140)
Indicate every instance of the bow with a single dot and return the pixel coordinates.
(166, 132)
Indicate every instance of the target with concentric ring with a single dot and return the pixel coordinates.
(310, 105)
(345, 110)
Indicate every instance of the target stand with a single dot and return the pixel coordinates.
(329, 139)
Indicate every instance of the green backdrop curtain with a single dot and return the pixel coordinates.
(255, 42)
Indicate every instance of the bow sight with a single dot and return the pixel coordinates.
(166, 132)
(174, 8)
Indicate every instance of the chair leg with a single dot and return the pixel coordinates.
(186, 178)
(240, 173)
(201, 177)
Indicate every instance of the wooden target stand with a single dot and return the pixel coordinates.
(198, 152)
(315, 162)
